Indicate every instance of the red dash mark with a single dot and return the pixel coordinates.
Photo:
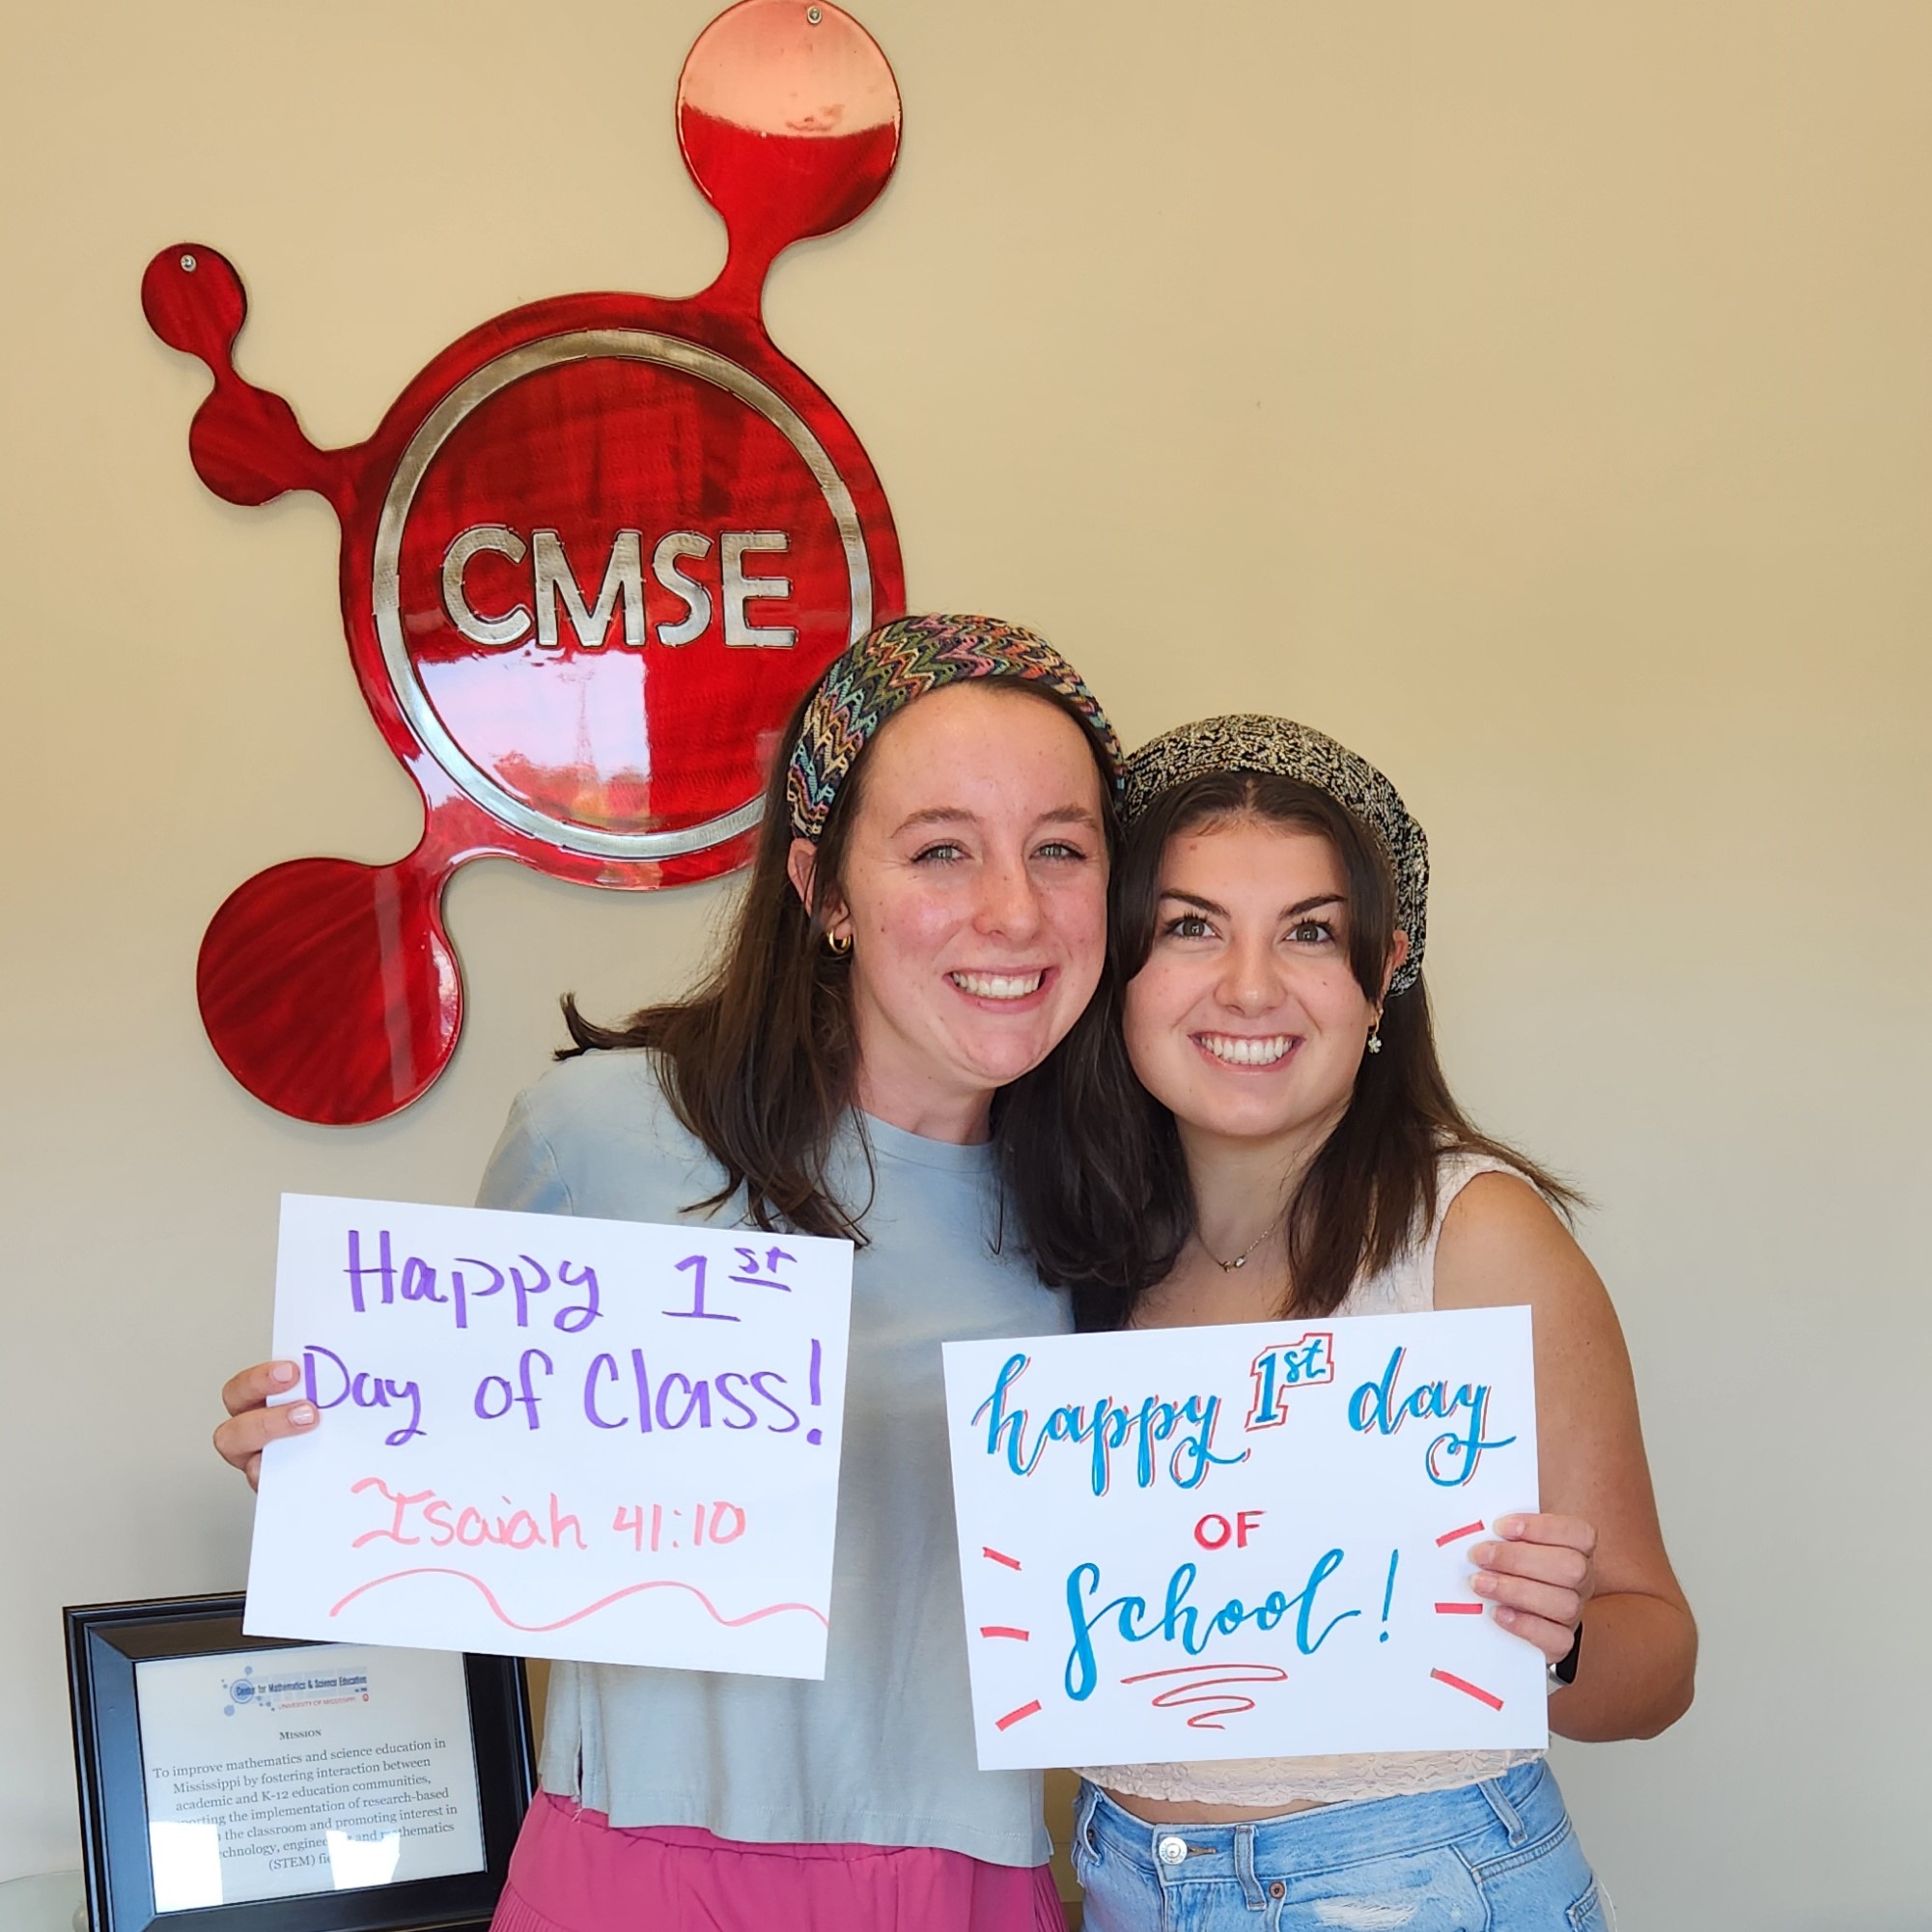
(1005, 1629)
(1459, 1609)
(1457, 1535)
(1013, 1563)
(1467, 1689)
(1014, 1717)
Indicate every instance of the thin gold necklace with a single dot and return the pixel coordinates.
(1240, 1259)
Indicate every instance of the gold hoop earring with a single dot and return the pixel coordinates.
(838, 944)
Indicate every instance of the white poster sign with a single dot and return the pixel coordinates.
(552, 1437)
(1247, 1541)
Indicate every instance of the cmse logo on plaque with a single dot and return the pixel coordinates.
(299, 1690)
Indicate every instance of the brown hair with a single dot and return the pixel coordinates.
(760, 1062)
(1104, 1189)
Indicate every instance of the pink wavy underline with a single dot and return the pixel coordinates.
(589, 1609)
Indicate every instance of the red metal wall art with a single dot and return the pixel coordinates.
(591, 558)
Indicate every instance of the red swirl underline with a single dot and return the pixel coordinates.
(1206, 1684)
(589, 1609)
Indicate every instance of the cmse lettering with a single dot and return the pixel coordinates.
(554, 582)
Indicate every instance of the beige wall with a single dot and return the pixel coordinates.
(1540, 399)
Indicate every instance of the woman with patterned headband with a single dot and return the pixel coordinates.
(1254, 1124)
(925, 919)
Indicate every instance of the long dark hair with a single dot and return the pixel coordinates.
(1098, 1178)
(760, 1062)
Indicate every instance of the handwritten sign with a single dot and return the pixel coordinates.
(1243, 1542)
(552, 1437)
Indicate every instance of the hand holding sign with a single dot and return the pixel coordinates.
(556, 1436)
(1243, 1541)
(1539, 1576)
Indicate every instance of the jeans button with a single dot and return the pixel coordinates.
(1170, 1850)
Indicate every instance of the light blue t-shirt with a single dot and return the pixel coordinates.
(882, 1751)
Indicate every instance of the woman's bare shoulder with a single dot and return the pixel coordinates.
(1503, 1243)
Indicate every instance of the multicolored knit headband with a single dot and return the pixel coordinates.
(887, 668)
(1251, 742)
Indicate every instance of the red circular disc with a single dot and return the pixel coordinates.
(789, 118)
(331, 990)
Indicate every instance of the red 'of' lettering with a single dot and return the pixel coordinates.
(1215, 1532)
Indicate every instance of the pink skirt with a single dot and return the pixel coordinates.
(572, 1871)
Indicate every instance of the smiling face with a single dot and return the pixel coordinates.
(974, 890)
(1248, 1022)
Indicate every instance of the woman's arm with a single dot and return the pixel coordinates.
(1596, 1552)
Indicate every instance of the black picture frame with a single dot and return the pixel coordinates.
(106, 1642)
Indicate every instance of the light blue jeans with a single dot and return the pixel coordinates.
(1495, 1857)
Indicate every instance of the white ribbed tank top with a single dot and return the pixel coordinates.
(1407, 1286)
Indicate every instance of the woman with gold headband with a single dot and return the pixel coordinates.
(925, 919)
(1254, 1124)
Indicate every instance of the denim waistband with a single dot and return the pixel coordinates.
(1525, 1802)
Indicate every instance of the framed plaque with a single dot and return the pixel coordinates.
(232, 1783)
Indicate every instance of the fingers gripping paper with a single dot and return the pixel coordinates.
(1244, 1541)
(552, 1437)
